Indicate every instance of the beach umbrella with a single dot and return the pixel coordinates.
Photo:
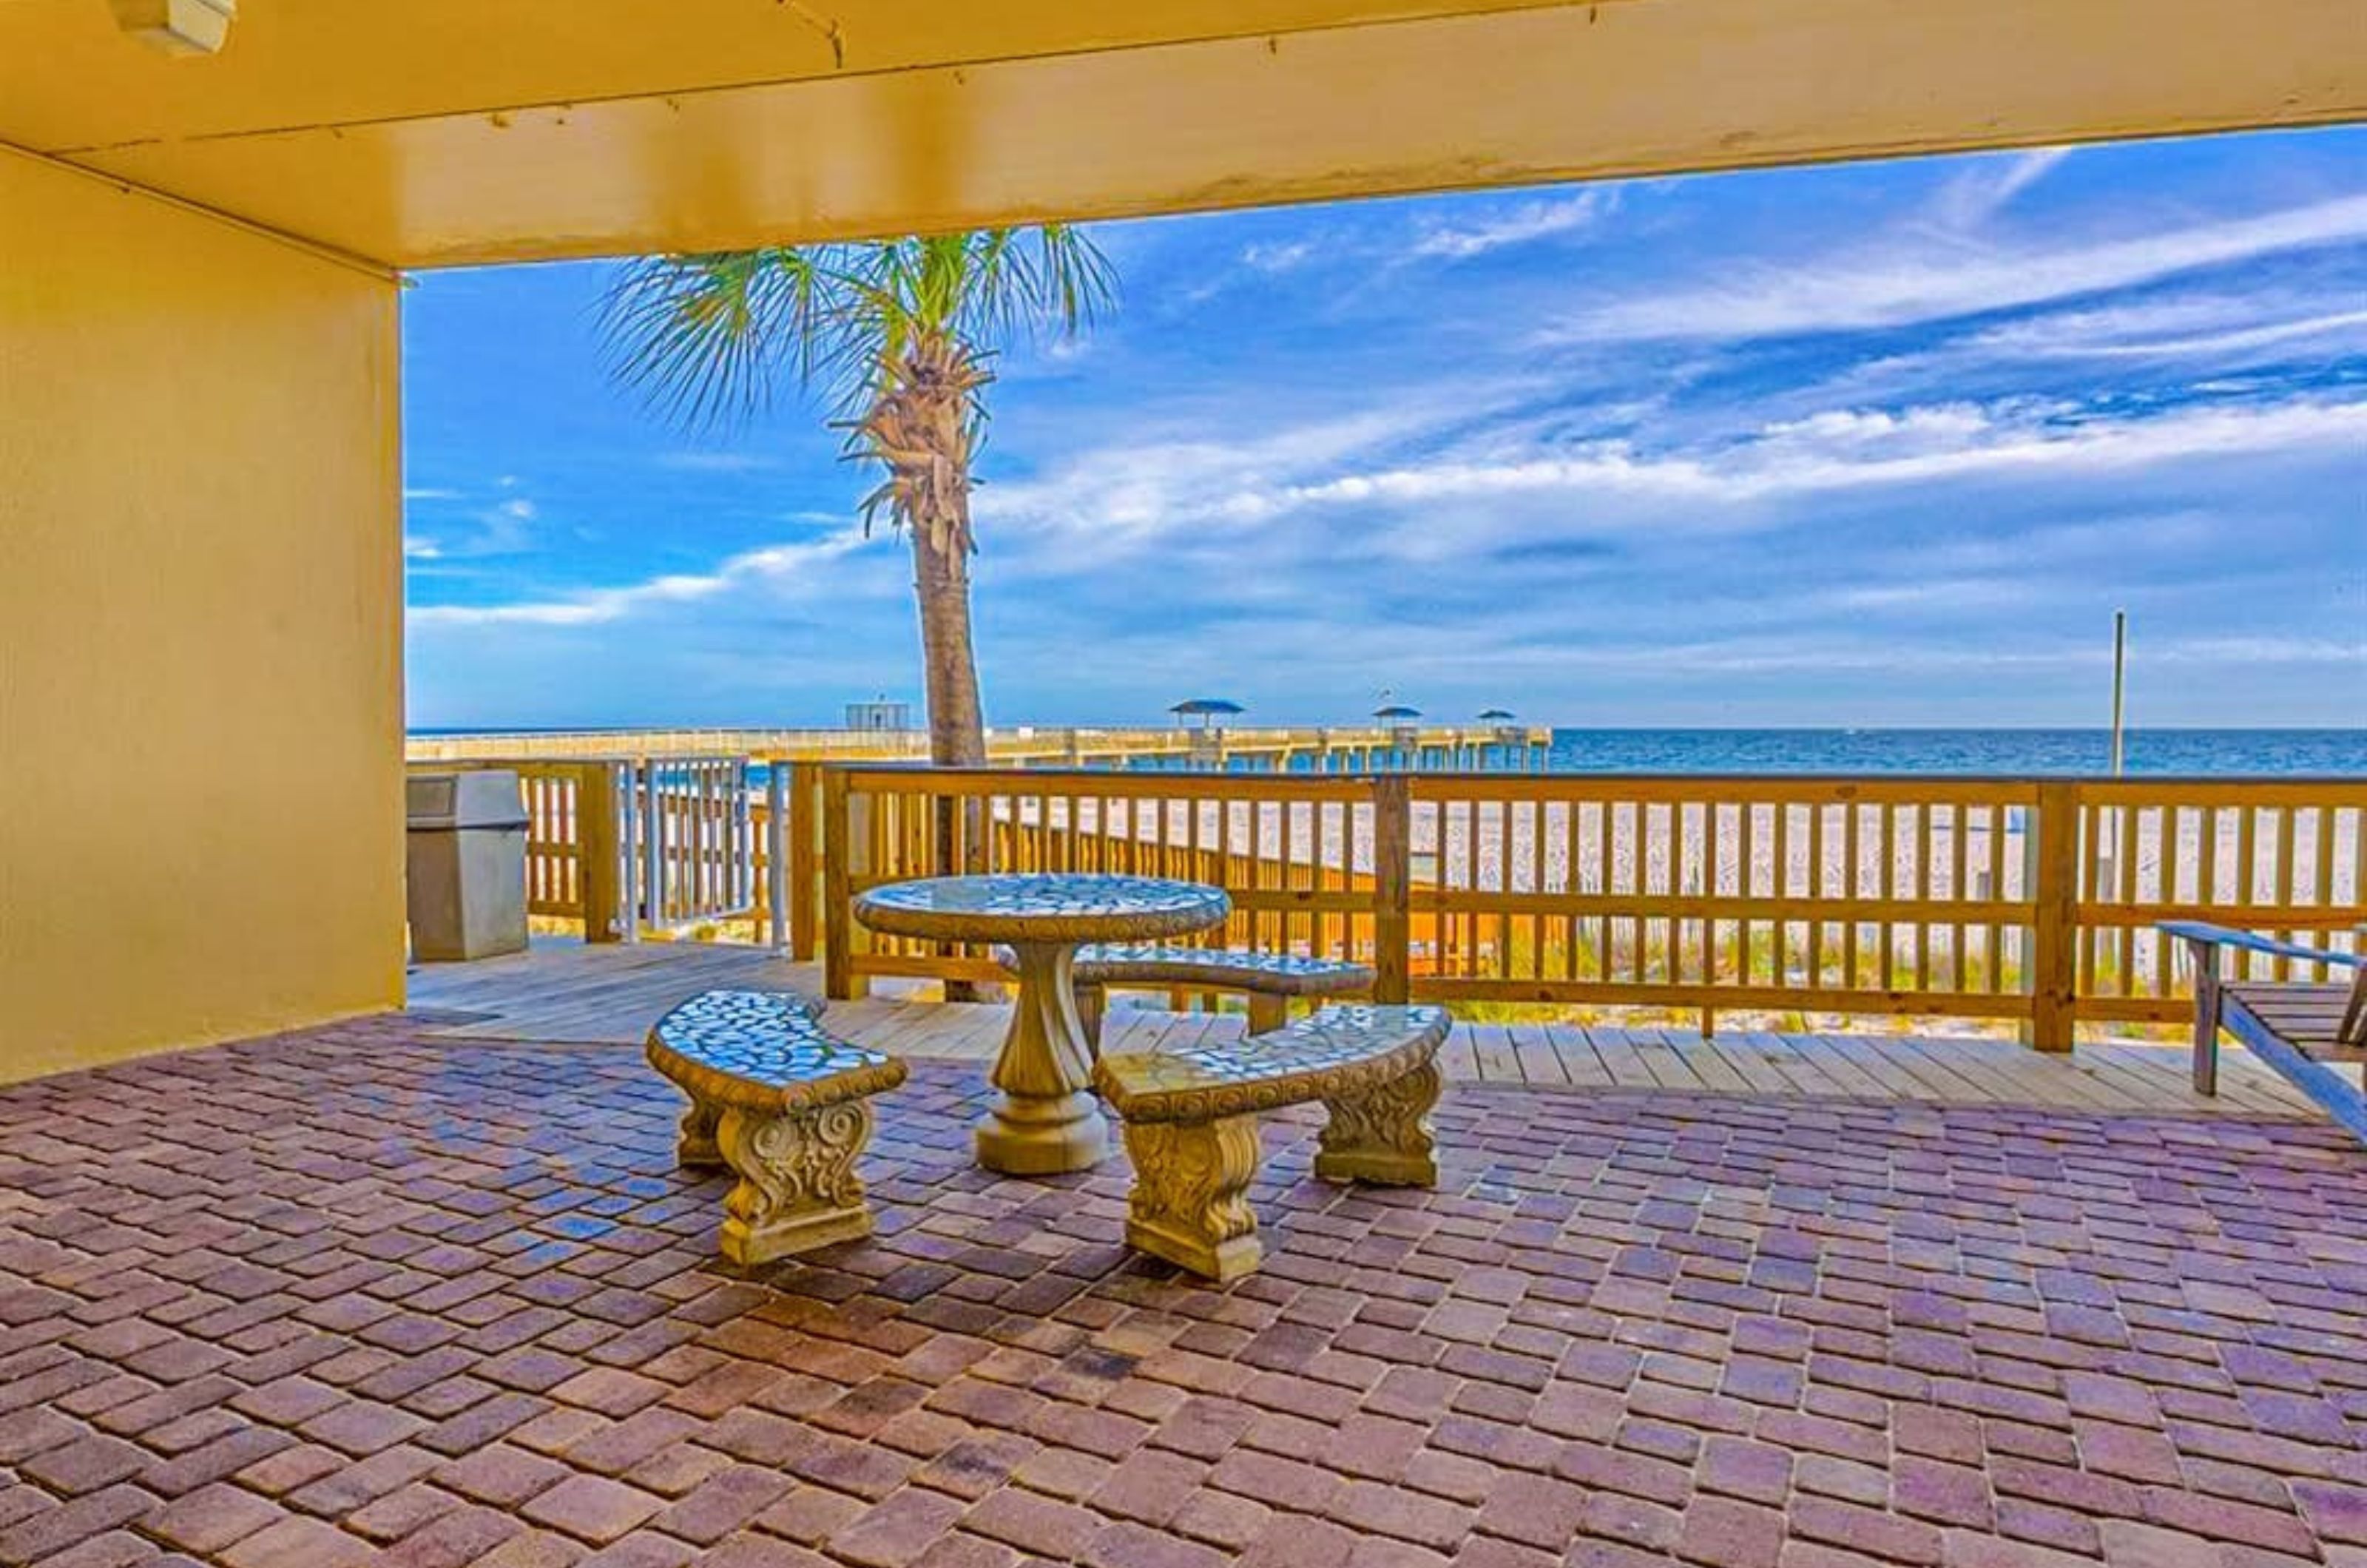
(1208, 710)
(1495, 716)
(1397, 711)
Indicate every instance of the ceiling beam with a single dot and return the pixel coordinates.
(1450, 102)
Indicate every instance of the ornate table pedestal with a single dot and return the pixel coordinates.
(1044, 1118)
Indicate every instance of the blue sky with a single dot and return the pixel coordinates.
(1862, 445)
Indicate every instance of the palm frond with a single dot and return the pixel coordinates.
(1077, 283)
(709, 338)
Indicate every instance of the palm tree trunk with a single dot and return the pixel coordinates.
(922, 427)
(949, 667)
(956, 727)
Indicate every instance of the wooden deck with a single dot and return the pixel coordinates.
(566, 992)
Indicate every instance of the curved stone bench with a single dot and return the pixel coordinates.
(1191, 1122)
(781, 1102)
(1270, 980)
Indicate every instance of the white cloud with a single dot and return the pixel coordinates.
(1828, 653)
(505, 528)
(775, 564)
(414, 547)
(1981, 191)
(1926, 282)
(1277, 257)
(1124, 499)
(2172, 330)
(2191, 333)
(2212, 653)
(1104, 502)
(1530, 221)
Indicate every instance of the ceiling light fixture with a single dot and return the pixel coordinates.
(177, 27)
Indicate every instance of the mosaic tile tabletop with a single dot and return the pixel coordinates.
(1048, 908)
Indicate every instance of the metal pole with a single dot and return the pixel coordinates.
(655, 833)
(2119, 674)
(629, 812)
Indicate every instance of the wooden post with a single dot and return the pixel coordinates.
(2051, 845)
(805, 830)
(2206, 1016)
(600, 858)
(840, 982)
(1393, 888)
(778, 829)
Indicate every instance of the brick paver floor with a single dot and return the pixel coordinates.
(349, 1296)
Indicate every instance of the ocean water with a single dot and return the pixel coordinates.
(2020, 753)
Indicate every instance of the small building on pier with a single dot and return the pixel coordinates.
(878, 717)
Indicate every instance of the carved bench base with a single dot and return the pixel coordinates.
(1191, 1125)
(780, 1102)
(1190, 1202)
(797, 1189)
(1383, 1136)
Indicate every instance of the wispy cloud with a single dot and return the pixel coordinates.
(1529, 220)
(1910, 284)
(505, 528)
(1985, 188)
(597, 606)
(1277, 255)
(1107, 501)
(2163, 330)
(1194, 490)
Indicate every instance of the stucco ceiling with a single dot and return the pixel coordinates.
(425, 132)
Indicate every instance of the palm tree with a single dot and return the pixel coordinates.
(897, 335)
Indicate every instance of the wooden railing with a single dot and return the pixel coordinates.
(628, 847)
(2028, 901)
(571, 848)
(2282, 858)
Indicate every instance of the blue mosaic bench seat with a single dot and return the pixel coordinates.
(1191, 1122)
(780, 1101)
(1269, 979)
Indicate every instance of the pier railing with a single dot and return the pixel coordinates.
(1350, 748)
(2029, 901)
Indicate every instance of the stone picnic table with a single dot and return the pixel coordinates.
(1045, 1119)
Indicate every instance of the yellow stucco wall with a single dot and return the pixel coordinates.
(201, 623)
